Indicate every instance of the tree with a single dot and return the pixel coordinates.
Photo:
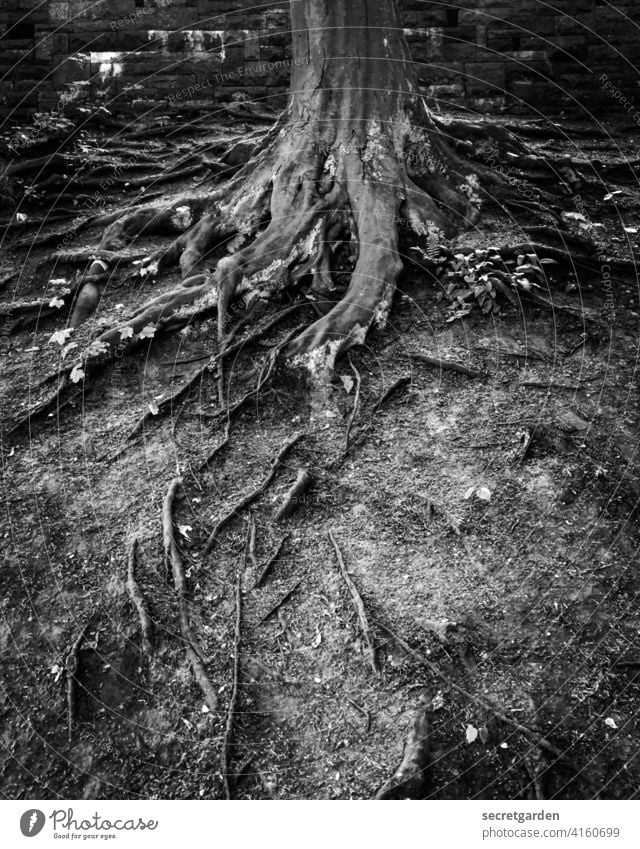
(355, 161)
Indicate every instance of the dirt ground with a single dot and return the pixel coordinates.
(491, 524)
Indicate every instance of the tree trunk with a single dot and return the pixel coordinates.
(355, 155)
(355, 158)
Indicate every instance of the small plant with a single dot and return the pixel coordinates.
(483, 279)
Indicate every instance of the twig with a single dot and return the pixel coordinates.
(540, 384)
(139, 600)
(218, 449)
(479, 700)
(276, 607)
(303, 480)
(389, 392)
(227, 742)
(358, 604)
(363, 711)
(274, 557)
(194, 653)
(446, 365)
(577, 346)
(408, 781)
(71, 664)
(251, 497)
(186, 362)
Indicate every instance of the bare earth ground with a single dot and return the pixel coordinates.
(529, 599)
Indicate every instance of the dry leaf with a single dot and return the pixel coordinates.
(77, 374)
(61, 336)
(147, 332)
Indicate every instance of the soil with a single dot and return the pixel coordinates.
(491, 523)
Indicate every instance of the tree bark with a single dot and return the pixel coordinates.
(355, 159)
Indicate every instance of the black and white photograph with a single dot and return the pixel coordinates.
(319, 412)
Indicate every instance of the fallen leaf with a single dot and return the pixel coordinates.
(68, 348)
(126, 332)
(610, 722)
(97, 347)
(151, 269)
(61, 336)
(147, 332)
(184, 530)
(437, 703)
(347, 382)
(483, 493)
(77, 374)
(153, 408)
(56, 302)
(471, 734)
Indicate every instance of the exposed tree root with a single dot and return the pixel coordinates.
(535, 738)
(137, 597)
(290, 502)
(354, 410)
(327, 195)
(283, 600)
(445, 365)
(213, 362)
(45, 406)
(358, 605)
(389, 391)
(270, 562)
(250, 549)
(576, 260)
(192, 647)
(51, 161)
(227, 742)
(84, 257)
(218, 449)
(540, 384)
(410, 778)
(556, 234)
(582, 313)
(253, 495)
(72, 663)
(168, 539)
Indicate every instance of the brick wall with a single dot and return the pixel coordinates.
(140, 54)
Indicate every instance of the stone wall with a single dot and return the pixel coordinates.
(137, 55)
